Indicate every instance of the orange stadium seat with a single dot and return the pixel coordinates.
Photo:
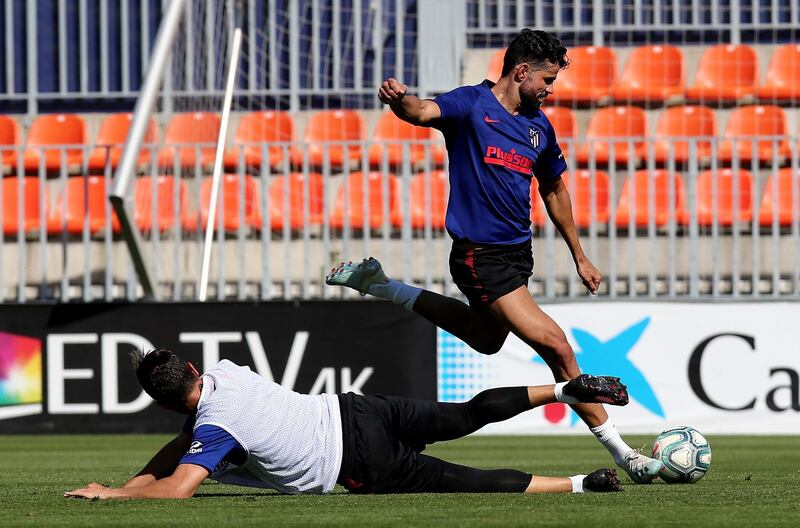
(588, 78)
(726, 215)
(327, 130)
(781, 194)
(634, 200)
(9, 141)
(746, 125)
(495, 69)
(439, 154)
(84, 198)
(55, 130)
(278, 200)
(228, 207)
(436, 183)
(565, 125)
(356, 207)
(782, 82)
(166, 215)
(628, 123)
(676, 125)
(726, 73)
(111, 138)
(581, 196)
(31, 199)
(651, 73)
(390, 134)
(260, 127)
(187, 136)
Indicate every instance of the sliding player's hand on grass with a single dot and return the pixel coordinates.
(91, 491)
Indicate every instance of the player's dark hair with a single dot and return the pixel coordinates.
(534, 47)
(164, 376)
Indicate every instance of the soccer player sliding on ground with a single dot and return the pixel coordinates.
(244, 429)
(497, 140)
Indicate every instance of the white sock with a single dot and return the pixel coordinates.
(561, 397)
(577, 483)
(610, 438)
(396, 291)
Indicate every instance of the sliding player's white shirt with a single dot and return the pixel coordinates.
(293, 441)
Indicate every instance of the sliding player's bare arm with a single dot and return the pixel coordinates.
(181, 484)
(163, 463)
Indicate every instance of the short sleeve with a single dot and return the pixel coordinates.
(550, 164)
(210, 445)
(456, 104)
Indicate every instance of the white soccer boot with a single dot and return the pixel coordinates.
(640, 468)
(357, 276)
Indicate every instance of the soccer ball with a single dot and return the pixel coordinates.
(685, 453)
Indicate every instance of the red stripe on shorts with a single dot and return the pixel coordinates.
(470, 262)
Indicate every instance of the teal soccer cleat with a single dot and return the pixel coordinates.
(357, 276)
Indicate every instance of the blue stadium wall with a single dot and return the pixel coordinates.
(48, 49)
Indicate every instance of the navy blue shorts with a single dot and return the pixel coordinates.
(486, 272)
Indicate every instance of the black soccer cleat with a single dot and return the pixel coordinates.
(602, 481)
(597, 389)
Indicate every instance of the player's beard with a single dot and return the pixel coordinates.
(533, 102)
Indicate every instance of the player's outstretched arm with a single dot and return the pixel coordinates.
(163, 463)
(182, 484)
(421, 112)
(559, 207)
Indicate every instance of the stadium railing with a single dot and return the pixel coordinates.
(81, 57)
(624, 22)
(658, 228)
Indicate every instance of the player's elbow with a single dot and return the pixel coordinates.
(422, 114)
(183, 493)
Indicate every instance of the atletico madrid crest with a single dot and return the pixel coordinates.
(534, 136)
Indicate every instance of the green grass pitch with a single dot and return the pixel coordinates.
(753, 481)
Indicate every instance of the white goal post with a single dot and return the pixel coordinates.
(141, 115)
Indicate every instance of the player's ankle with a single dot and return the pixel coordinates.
(395, 291)
(577, 483)
(608, 435)
(558, 390)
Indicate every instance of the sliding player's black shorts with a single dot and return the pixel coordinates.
(383, 438)
(486, 272)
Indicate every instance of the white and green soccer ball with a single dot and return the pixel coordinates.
(685, 453)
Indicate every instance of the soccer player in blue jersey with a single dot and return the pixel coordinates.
(497, 139)
(244, 429)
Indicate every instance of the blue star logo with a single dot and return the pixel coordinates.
(611, 358)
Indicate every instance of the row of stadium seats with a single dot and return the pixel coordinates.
(764, 126)
(189, 139)
(723, 197)
(726, 74)
(86, 198)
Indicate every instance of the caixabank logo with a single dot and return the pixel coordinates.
(20, 375)
(611, 358)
